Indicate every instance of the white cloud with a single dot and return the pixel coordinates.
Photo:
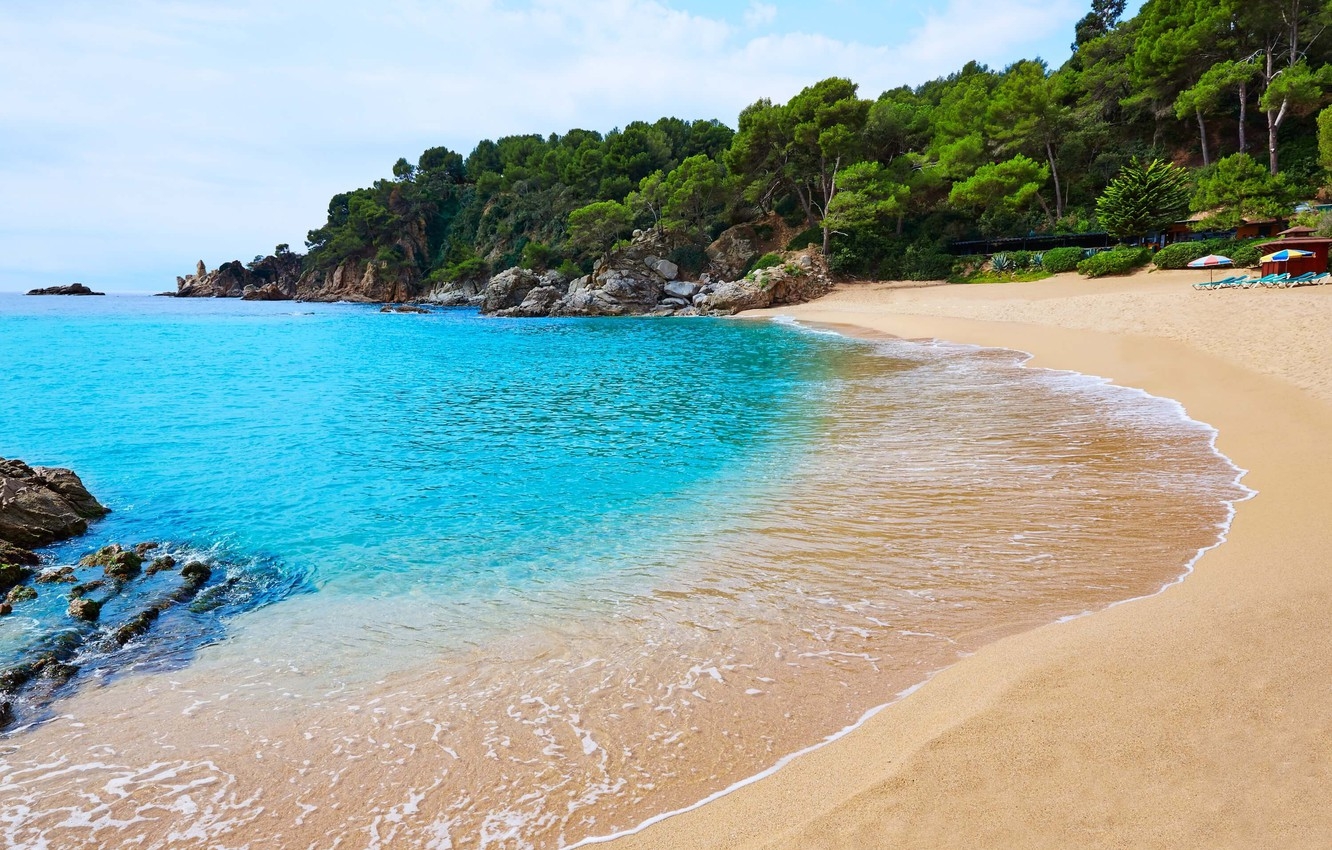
(759, 14)
(134, 141)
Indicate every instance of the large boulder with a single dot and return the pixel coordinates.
(732, 252)
(469, 292)
(40, 505)
(508, 289)
(734, 296)
(538, 302)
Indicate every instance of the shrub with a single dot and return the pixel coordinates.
(471, 268)
(1118, 261)
(1180, 254)
(1246, 256)
(1003, 263)
(690, 258)
(766, 261)
(1058, 260)
(536, 256)
(1025, 259)
(570, 269)
(805, 238)
(925, 262)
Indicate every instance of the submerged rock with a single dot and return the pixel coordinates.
(115, 562)
(161, 563)
(12, 574)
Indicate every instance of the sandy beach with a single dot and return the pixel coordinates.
(1198, 717)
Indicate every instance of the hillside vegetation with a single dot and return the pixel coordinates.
(1233, 91)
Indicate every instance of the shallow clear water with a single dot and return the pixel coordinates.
(530, 581)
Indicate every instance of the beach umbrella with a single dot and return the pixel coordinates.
(1287, 254)
(1210, 262)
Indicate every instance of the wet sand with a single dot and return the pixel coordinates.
(1199, 717)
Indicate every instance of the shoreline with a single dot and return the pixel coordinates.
(995, 749)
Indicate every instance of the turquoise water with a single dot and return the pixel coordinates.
(345, 451)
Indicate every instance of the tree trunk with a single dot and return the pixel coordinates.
(1054, 173)
(1202, 135)
(1244, 113)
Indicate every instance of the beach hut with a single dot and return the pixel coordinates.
(1315, 246)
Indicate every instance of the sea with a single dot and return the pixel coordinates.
(530, 583)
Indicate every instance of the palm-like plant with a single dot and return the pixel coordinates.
(1143, 198)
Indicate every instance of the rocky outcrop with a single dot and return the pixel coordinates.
(638, 281)
(40, 505)
(271, 278)
(68, 289)
(470, 292)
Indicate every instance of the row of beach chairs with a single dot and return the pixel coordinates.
(1278, 280)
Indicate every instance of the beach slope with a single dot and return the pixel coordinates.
(1199, 717)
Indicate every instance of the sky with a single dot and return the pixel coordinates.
(140, 136)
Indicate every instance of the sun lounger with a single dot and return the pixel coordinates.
(1222, 283)
(1316, 280)
(1269, 280)
(1298, 281)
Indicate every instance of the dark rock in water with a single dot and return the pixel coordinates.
(10, 554)
(87, 587)
(69, 289)
(402, 308)
(22, 593)
(142, 549)
(160, 564)
(6, 609)
(60, 575)
(82, 608)
(12, 574)
(114, 561)
(57, 672)
(138, 625)
(196, 572)
(40, 505)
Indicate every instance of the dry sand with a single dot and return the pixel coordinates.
(1199, 717)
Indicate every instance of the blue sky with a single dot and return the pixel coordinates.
(139, 137)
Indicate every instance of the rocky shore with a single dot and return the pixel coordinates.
(637, 279)
(107, 599)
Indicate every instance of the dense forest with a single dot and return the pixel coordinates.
(1231, 90)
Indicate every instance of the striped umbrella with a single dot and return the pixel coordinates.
(1287, 254)
(1211, 262)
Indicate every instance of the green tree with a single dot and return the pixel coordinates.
(1027, 114)
(1205, 96)
(1238, 188)
(1005, 187)
(694, 195)
(1325, 138)
(597, 226)
(871, 195)
(1143, 198)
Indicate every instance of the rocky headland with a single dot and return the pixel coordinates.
(105, 600)
(638, 278)
(67, 289)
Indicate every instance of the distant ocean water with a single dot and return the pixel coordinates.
(520, 582)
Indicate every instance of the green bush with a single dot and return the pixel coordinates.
(1118, 261)
(471, 268)
(805, 238)
(1246, 256)
(690, 258)
(570, 269)
(1058, 260)
(767, 261)
(1025, 259)
(1180, 254)
(925, 262)
(536, 256)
